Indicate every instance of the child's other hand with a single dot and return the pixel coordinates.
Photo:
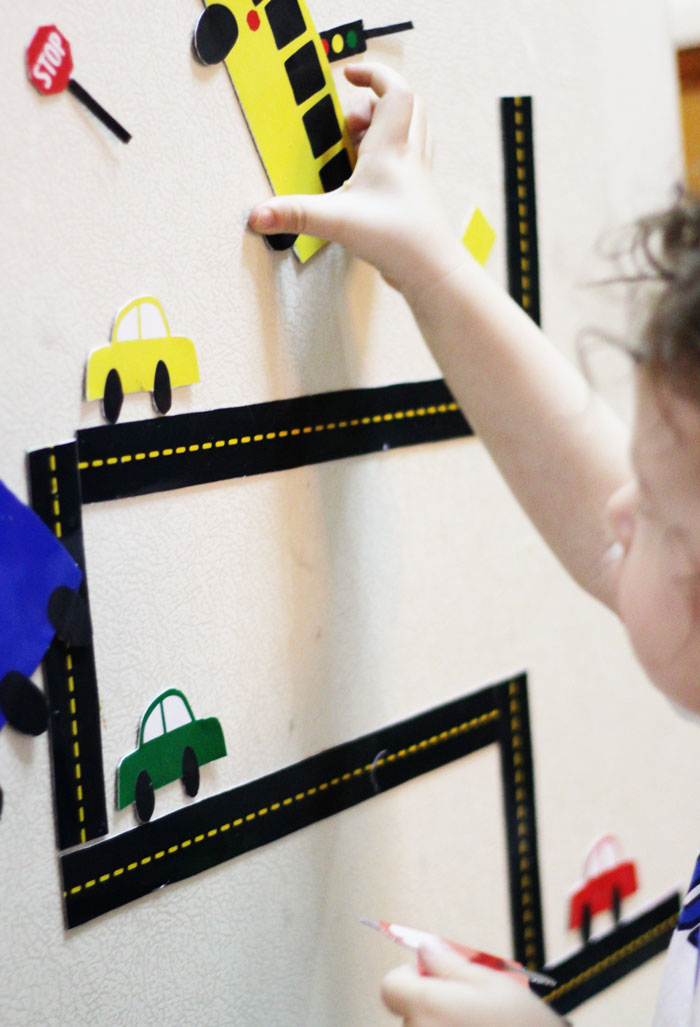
(388, 212)
(461, 994)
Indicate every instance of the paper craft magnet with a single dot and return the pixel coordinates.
(608, 878)
(479, 236)
(350, 39)
(279, 69)
(412, 938)
(38, 598)
(172, 744)
(522, 247)
(50, 63)
(142, 357)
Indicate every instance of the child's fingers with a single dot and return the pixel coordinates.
(298, 215)
(440, 960)
(359, 118)
(419, 131)
(391, 121)
(402, 991)
(373, 75)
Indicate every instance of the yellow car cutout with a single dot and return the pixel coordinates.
(279, 69)
(142, 357)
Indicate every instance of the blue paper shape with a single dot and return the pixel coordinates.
(32, 564)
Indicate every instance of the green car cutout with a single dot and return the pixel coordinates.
(172, 744)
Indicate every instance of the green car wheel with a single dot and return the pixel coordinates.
(144, 797)
(190, 771)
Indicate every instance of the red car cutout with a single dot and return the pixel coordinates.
(608, 879)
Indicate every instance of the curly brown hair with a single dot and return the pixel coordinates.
(665, 249)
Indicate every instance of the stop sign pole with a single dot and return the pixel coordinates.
(50, 63)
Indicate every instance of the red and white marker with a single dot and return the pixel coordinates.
(49, 65)
(412, 938)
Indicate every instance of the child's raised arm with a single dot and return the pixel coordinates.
(561, 450)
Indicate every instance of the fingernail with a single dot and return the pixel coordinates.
(433, 948)
(262, 217)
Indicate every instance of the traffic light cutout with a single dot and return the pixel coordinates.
(344, 40)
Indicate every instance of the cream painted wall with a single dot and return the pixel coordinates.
(685, 22)
(353, 593)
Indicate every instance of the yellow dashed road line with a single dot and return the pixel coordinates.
(271, 436)
(70, 680)
(615, 957)
(368, 768)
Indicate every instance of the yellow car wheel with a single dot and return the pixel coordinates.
(215, 35)
(113, 396)
(162, 391)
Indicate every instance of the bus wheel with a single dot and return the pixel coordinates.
(280, 240)
(215, 34)
(69, 617)
(23, 704)
(113, 397)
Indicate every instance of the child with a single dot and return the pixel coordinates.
(624, 520)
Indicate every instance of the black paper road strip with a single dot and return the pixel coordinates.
(156, 455)
(138, 457)
(69, 672)
(606, 959)
(107, 874)
(521, 828)
(521, 206)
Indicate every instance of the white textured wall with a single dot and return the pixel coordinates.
(354, 593)
(685, 22)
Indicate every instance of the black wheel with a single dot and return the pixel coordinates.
(280, 240)
(69, 617)
(144, 797)
(162, 393)
(190, 771)
(23, 704)
(215, 34)
(113, 397)
(586, 924)
(616, 905)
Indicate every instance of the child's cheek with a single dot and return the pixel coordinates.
(658, 615)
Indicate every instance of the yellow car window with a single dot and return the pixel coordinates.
(153, 324)
(127, 327)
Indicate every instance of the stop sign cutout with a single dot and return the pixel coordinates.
(49, 60)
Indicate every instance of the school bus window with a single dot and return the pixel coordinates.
(335, 172)
(322, 126)
(286, 21)
(305, 73)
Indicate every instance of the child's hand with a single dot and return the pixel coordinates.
(461, 994)
(388, 212)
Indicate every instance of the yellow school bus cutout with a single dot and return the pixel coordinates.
(142, 357)
(280, 71)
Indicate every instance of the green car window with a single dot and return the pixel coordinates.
(154, 725)
(175, 712)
